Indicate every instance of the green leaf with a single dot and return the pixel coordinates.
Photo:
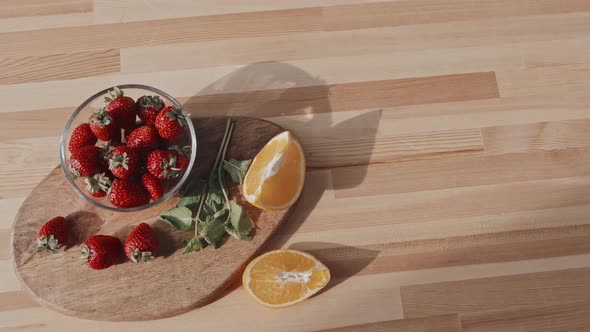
(194, 245)
(240, 225)
(214, 200)
(236, 169)
(212, 229)
(193, 194)
(180, 218)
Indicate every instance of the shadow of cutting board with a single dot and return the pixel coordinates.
(170, 284)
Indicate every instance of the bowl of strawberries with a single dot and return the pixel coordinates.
(128, 148)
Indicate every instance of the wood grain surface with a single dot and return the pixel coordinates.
(169, 285)
(448, 183)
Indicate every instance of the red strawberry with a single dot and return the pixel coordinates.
(81, 136)
(126, 194)
(53, 235)
(84, 162)
(141, 244)
(153, 186)
(143, 139)
(182, 156)
(103, 125)
(162, 164)
(102, 251)
(98, 184)
(124, 162)
(170, 122)
(148, 108)
(121, 108)
(105, 151)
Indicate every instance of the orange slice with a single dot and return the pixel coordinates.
(275, 179)
(282, 278)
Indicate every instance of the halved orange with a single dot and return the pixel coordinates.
(282, 278)
(275, 179)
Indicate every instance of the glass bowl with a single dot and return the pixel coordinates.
(96, 102)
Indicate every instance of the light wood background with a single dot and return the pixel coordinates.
(448, 144)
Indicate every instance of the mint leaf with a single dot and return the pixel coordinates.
(214, 201)
(236, 169)
(180, 218)
(239, 225)
(212, 229)
(192, 194)
(195, 244)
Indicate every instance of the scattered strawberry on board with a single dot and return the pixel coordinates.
(102, 251)
(53, 235)
(141, 244)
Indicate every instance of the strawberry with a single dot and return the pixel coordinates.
(141, 244)
(85, 162)
(148, 108)
(162, 164)
(126, 194)
(81, 136)
(102, 251)
(103, 125)
(105, 151)
(170, 122)
(98, 184)
(53, 235)
(182, 156)
(153, 186)
(121, 108)
(143, 139)
(124, 162)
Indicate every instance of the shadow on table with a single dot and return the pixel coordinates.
(275, 89)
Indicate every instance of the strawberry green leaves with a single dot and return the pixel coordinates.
(205, 205)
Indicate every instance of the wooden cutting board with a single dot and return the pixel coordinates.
(170, 284)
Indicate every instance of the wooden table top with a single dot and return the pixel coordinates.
(448, 145)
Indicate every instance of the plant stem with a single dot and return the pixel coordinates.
(219, 168)
(220, 153)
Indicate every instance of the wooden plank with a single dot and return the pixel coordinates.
(16, 8)
(9, 207)
(16, 300)
(410, 12)
(8, 280)
(542, 318)
(347, 152)
(119, 11)
(386, 49)
(522, 291)
(460, 172)
(15, 24)
(436, 228)
(559, 75)
(540, 136)
(58, 66)
(167, 31)
(455, 250)
(449, 203)
(22, 172)
(443, 323)
(47, 124)
(348, 96)
(4, 250)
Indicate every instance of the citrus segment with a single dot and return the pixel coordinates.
(275, 179)
(284, 277)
